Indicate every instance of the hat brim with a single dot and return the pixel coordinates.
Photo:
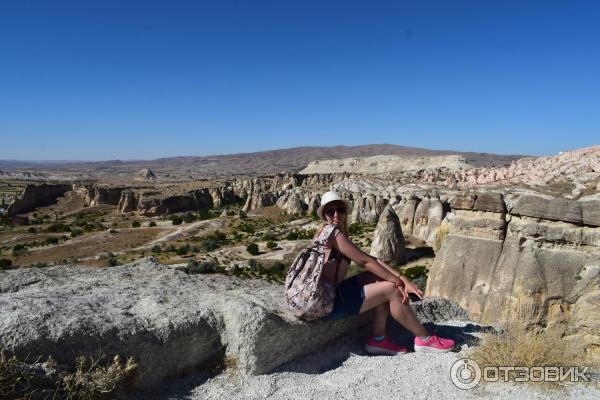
(322, 207)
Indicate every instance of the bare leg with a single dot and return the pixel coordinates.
(380, 317)
(380, 312)
(379, 293)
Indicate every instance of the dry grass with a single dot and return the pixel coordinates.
(518, 347)
(442, 232)
(90, 379)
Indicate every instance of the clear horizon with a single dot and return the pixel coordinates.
(148, 79)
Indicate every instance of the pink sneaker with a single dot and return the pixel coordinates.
(434, 344)
(386, 346)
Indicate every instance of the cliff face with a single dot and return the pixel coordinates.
(383, 164)
(93, 195)
(536, 263)
(36, 196)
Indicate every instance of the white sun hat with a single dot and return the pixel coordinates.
(327, 198)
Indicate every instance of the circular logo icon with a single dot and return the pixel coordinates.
(465, 374)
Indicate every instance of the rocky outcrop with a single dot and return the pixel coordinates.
(167, 320)
(192, 200)
(145, 174)
(170, 322)
(127, 202)
(93, 194)
(295, 206)
(36, 196)
(428, 218)
(313, 204)
(388, 241)
(582, 165)
(407, 214)
(541, 270)
(385, 164)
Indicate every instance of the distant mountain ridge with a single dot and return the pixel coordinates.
(256, 163)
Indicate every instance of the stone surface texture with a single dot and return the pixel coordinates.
(388, 241)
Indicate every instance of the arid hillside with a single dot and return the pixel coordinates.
(244, 164)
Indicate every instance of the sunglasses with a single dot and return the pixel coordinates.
(330, 212)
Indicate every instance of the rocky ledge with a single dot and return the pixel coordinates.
(169, 321)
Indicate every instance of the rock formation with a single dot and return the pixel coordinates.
(537, 264)
(36, 196)
(388, 241)
(93, 194)
(170, 322)
(145, 174)
(581, 165)
(386, 164)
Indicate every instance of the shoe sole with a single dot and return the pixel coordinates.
(380, 350)
(428, 349)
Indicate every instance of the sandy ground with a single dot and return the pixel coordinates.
(346, 371)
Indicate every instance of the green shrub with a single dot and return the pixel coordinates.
(203, 214)
(58, 228)
(136, 224)
(417, 274)
(209, 245)
(355, 229)
(271, 245)
(176, 219)
(112, 261)
(18, 247)
(248, 228)
(76, 232)
(171, 247)
(152, 223)
(269, 236)
(218, 236)
(51, 240)
(293, 235)
(183, 250)
(189, 217)
(32, 230)
(5, 263)
(252, 248)
(156, 249)
(204, 267)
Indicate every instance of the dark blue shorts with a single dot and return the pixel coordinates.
(348, 299)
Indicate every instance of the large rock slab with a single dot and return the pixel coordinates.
(558, 209)
(168, 320)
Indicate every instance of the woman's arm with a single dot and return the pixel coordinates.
(347, 248)
(408, 284)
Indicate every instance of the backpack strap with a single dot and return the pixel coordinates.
(326, 232)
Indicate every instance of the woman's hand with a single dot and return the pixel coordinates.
(402, 288)
(410, 287)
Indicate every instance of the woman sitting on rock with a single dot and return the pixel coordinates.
(380, 288)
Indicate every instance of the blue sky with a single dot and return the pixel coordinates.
(96, 80)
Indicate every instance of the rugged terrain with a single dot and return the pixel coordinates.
(246, 164)
(517, 243)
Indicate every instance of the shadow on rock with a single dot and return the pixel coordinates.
(460, 334)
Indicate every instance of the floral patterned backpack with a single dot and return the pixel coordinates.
(310, 297)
